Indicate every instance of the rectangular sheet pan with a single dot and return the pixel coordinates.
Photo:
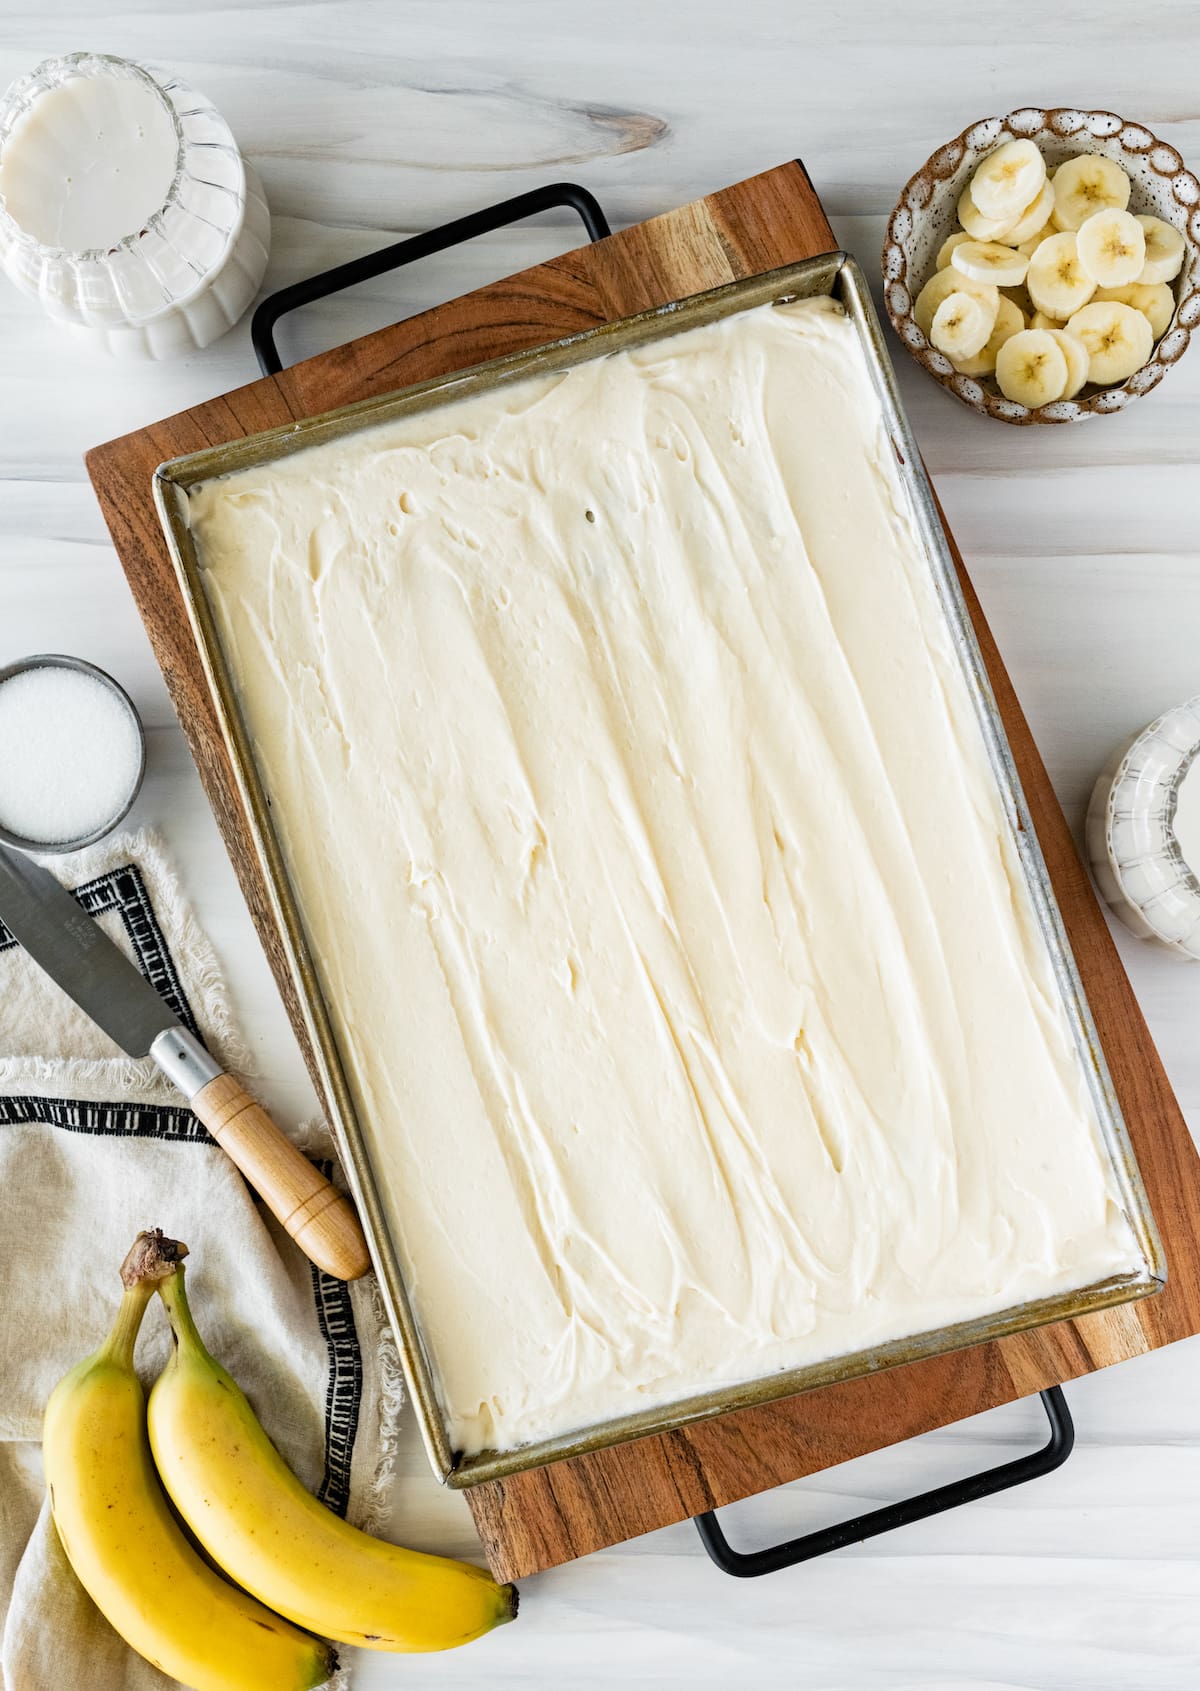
(833, 274)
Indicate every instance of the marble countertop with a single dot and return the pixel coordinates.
(370, 121)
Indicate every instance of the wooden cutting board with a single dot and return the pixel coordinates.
(537, 1520)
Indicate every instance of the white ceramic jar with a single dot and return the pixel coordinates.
(126, 208)
(1143, 831)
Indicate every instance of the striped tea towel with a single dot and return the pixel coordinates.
(95, 1145)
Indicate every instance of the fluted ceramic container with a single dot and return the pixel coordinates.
(1146, 863)
(192, 267)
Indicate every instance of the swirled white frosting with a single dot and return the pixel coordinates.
(673, 933)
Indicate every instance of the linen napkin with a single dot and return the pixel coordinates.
(95, 1145)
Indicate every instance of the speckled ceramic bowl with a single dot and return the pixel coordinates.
(926, 213)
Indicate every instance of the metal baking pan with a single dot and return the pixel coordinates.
(833, 274)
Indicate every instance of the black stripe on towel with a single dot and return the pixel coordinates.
(126, 1121)
(124, 891)
(343, 1393)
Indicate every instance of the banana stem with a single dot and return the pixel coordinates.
(174, 1296)
(151, 1256)
(119, 1345)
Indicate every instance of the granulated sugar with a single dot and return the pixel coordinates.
(70, 753)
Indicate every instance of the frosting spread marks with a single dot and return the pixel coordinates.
(664, 901)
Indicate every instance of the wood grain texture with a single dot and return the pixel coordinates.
(311, 1210)
(569, 1509)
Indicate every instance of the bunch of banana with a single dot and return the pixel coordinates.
(1050, 282)
(122, 1540)
(246, 1509)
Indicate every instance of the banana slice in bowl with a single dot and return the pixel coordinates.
(1112, 248)
(1155, 301)
(990, 261)
(941, 285)
(1057, 282)
(1009, 180)
(1165, 248)
(1118, 339)
(979, 227)
(962, 325)
(1034, 219)
(1010, 320)
(1086, 184)
(1030, 246)
(948, 245)
(1076, 355)
(1031, 368)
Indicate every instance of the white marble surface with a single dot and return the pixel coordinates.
(371, 120)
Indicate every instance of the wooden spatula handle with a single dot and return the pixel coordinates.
(318, 1217)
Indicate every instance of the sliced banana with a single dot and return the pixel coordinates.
(1031, 368)
(942, 284)
(989, 261)
(961, 325)
(1076, 355)
(1164, 251)
(1057, 282)
(1034, 218)
(1154, 300)
(1009, 180)
(1049, 282)
(979, 227)
(1010, 320)
(948, 246)
(1085, 185)
(1112, 248)
(1030, 246)
(1118, 339)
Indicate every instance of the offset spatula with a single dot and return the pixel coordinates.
(79, 956)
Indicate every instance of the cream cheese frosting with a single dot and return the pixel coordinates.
(673, 933)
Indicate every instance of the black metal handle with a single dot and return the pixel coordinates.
(748, 1564)
(413, 247)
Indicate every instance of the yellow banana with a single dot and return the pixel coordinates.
(269, 1533)
(124, 1544)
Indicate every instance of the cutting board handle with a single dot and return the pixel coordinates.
(318, 1217)
(424, 245)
